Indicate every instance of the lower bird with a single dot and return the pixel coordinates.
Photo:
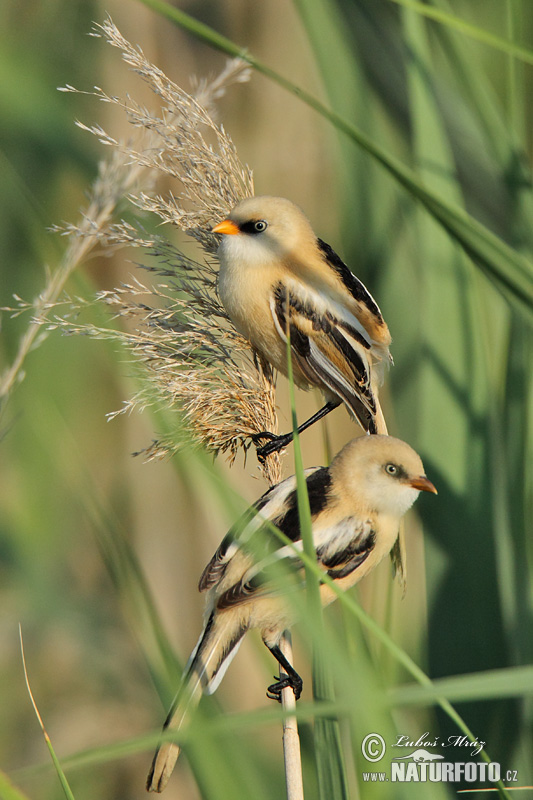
(278, 282)
(356, 505)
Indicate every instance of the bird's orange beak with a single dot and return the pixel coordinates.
(423, 484)
(227, 227)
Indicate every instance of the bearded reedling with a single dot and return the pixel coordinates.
(278, 280)
(356, 506)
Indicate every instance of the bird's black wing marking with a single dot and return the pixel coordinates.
(237, 594)
(361, 403)
(271, 576)
(356, 287)
(351, 331)
(275, 576)
(343, 562)
(338, 565)
(213, 572)
(318, 487)
(353, 386)
(349, 567)
(264, 544)
(353, 358)
(217, 566)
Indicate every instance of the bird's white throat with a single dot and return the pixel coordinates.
(241, 252)
(395, 498)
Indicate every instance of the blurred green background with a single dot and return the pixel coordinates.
(75, 506)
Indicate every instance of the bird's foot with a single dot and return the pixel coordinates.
(258, 437)
(275, 689)
(274, 444)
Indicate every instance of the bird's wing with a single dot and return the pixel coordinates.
(373, 318)
(271, 576)
(341, 560)
(341, 547)
(329, 349)
(276, 506)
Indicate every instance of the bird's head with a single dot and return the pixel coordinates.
(383, 473)
(264, 229)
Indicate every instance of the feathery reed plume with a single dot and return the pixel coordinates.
(113, 183)
(193, 360)
(211, 175)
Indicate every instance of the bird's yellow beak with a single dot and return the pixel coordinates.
(226, 226)
(423, 484)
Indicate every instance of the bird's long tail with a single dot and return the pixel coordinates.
(204, 671)
(381, 425)
(398, 552)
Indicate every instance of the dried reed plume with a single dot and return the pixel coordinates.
(112, 184)
(192, 359)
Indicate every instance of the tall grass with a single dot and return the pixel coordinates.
(428, 197)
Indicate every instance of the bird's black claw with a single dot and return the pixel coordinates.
(257, 437)
(274, 690)
(267, 450)
(273, 446)
(273, 695)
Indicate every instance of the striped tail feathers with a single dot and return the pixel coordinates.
(398, 554)
(360, 402)
(381, 425)
(162, 766)
(205, 669)
(332, 350)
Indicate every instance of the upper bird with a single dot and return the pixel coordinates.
(356, 504)
(277, 278)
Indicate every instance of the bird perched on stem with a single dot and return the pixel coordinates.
(356, 504)
(278, 281)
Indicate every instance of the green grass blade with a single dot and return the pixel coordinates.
(489, 685)
(427, 693)
(122, 564)
(479, 95)
(511, 273)
(502, 129)
(404, 659)
(8, 791)
(355, 610)
(330, 767)
(468, 29)
(61, 775)
(214, 39)
(328, 749)
(304, 510)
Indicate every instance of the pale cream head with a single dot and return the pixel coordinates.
(267, 228)
(382, 474)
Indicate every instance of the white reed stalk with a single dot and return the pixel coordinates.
(291, 739)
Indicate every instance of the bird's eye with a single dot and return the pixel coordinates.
(391, 469)
(253, 226)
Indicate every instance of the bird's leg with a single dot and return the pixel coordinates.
(279, 442)
(291, 678)
(322, 412)
(256, 437)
